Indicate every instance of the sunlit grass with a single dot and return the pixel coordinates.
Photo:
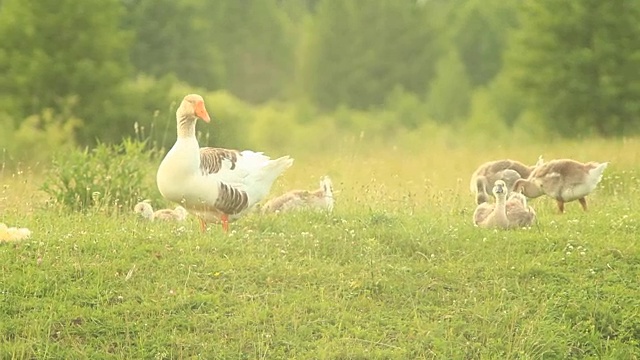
(397, 271)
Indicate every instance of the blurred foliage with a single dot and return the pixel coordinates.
(108, 178)
(577, 64)
(359, 53)
(170, 38)
(54, 51)
(39, 136)
(478, 32)
(300, 74)
(448, 99)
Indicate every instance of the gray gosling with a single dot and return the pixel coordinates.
(519, 213)
(320, 199)
(145, 210)
(564, 180)
(506, 170)
(494, 216)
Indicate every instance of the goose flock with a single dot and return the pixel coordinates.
(564, 180)
(222, 185)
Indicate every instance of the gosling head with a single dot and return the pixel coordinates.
(181, 213)
(144, 209)
(518, 186)
(500, 189)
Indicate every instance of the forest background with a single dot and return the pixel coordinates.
(306, 75)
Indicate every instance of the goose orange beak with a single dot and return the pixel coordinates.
(201, 111)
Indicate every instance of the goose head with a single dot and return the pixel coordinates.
(191, 108)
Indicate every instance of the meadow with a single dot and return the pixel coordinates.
(397, 271)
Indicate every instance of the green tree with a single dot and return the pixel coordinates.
(360, 52)
(257, 39)
(245, 47)
(577, 64)
(62, 53)
(176, 37)
(450, 92)
(479, 31)
(298, 9)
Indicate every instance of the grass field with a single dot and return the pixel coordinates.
(398, 271)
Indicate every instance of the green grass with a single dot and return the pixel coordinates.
(398, 271)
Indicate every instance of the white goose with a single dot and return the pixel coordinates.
(213, 183)
(319, 199)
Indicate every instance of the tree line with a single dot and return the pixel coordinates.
(571, 66)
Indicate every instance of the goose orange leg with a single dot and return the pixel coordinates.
(203, 224)
(561, 206)
(225, 222)
(583, 202)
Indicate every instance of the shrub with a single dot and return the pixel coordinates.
(38, 136)
(106, 178)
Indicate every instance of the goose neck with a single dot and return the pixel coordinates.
(186, 126)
